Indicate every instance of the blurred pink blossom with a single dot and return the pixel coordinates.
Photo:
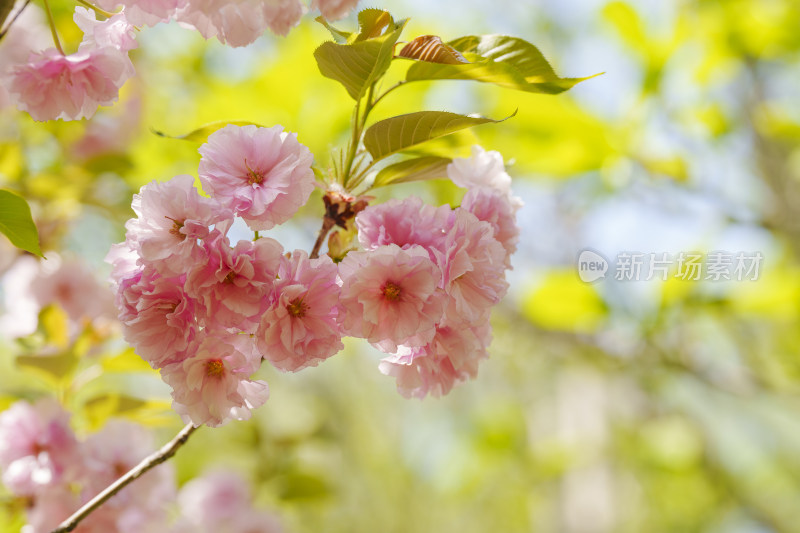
(37, 446)
(54, 86)
(144, 12)
(240, 22)
(334, 9)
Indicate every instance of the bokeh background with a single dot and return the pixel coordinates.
(619, 406)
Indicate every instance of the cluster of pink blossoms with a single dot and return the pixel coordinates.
(205, 311)
(50, 84)
(43, 461)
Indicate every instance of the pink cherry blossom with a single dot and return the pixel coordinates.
(54, 86)
(144, 12)
(232, 284)
(37, 446)
(240, 22)
(172, 216)
(114, 32)
(163, 325)
(391, 295)
(473, 269)
(212, 386)
(494, 207)
(451, 357)
(483, 169)
(263, 174)
(334, 9)
(405, 223)
(300, 327)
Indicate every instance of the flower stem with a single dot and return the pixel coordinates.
(52, 22)
(166, 451)
(95, 8)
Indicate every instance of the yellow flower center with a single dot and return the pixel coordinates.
(391, 291)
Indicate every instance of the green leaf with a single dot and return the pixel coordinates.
(505, 61)
(360, 64)
(201, 134)
(338, 35)
(416, 169)
(373, 23)
(394, 134)
(17, 224)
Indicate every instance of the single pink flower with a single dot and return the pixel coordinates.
(54, 86)
(37, 446)
(263, 174)
(451, 357)
(473, 269)
(334, 9)
(494, 207)
(231, 284)
(300, 327)
(213, 386)
(172, 216)
(163, 324)
(391, 295)
(115, 32)
(405, 223)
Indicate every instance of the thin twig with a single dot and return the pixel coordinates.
(327, 224)
(14, 19)
(166, 451)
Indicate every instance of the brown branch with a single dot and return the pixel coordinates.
(166, 451)
(327, 224)
(5, 10)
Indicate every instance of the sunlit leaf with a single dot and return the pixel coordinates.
(395, 134)
(201, 134)
(505, 61)
(373, 23)
(431, 48)
(358, 65)
(17, 224)
(417, 169)
(338, 35)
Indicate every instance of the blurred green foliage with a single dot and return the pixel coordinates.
(591, 416)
